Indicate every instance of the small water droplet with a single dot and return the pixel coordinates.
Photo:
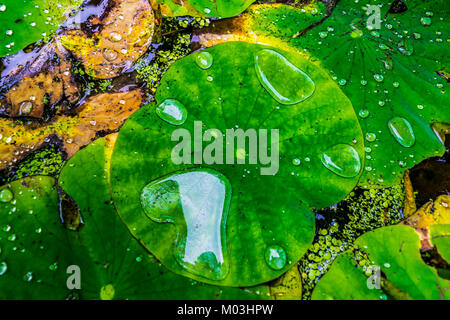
(296, 162)
(25, 108)
(286, 83)
(28, 276)
(6, 195)
(204, 60)
(363, 113)
(402, 131)
(323, 34)
(3, 268)
(172, 111)
(371, 137)
(378, 77)
(426, 21)
(275, 257)
(115, 36)
(343, 160)
(109, 54)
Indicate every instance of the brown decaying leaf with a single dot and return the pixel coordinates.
(102, 113)
(125, 36)
(288, 286)
(432, 213)
(38, 79)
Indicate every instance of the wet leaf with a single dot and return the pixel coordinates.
(224, 95)
(98, 114)
(124, 36)
(202, 8)
(433, 212)
(345, 281)
(25, 22)
(262, 23)
(112, 264)
(391, 75)
(288, 286)
(395, 251)
(36, 81)
(440, 237)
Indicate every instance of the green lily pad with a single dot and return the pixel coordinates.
(440, 237)
(37, 250)
(395, 251)
(345, 281)
(249, 90)
(394, 76)
(23, 22)
(203, 8)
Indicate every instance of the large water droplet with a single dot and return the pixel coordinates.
(204, 60)
(172, 111)
(275, 257)
(402, 131)
(197, 203)
(6, 195)
(286, 83)
(343, 160)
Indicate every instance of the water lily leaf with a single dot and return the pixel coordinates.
(202, 8)
(431, 213)
(393, 76)
(345, 281)
(38, 80)
(31, 265)
(101, 113)
(262, 23)
(25, 22)
(125, 33)
(223, 91)
(112, 264)
(396, 250)
(440, 237)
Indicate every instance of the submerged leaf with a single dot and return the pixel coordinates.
(125, 35)
(98, 114)
(36, 81)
